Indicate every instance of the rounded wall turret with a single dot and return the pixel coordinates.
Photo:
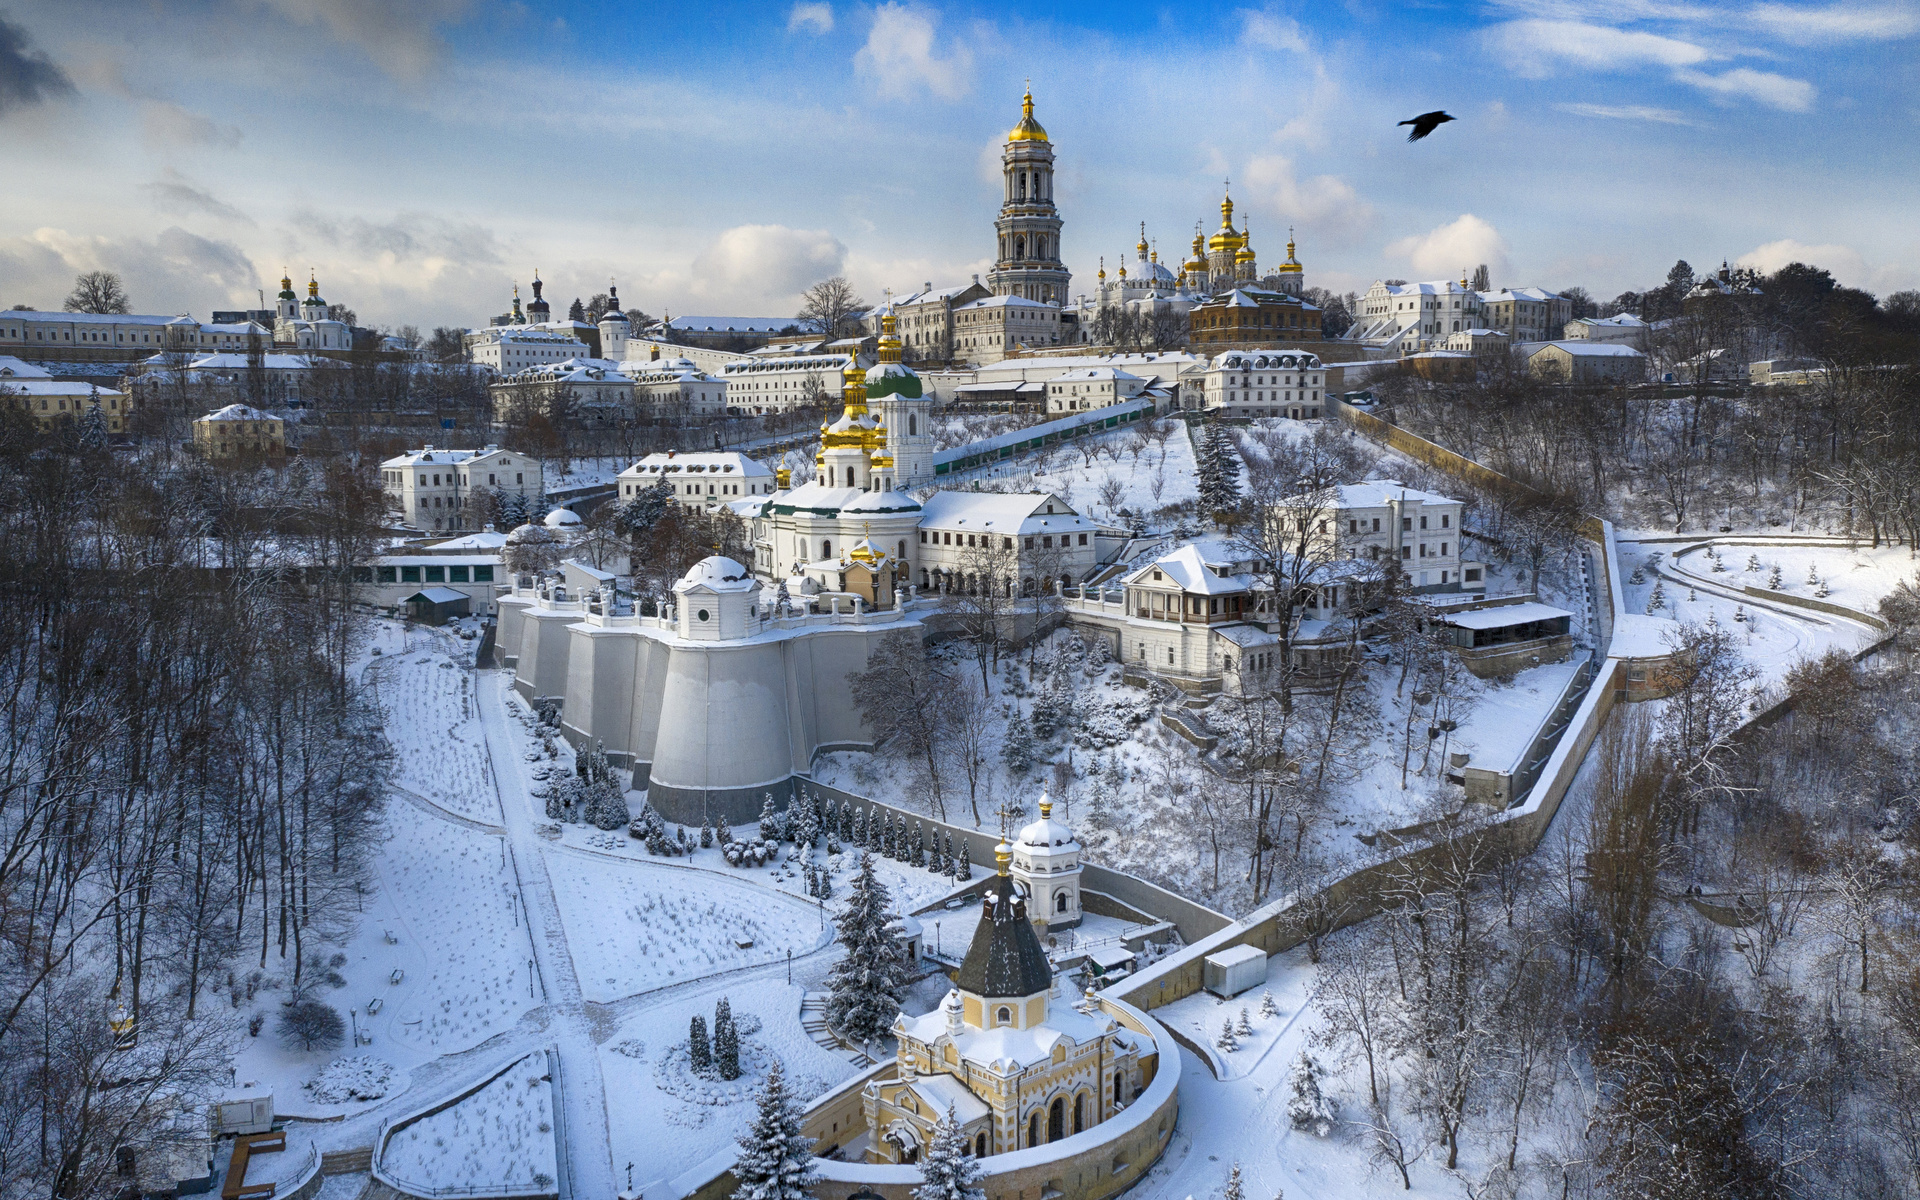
(1046, 863)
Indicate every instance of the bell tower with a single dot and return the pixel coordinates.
(1026, 262)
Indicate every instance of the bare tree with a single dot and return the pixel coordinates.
(97, 292)
(826, 305)
(907, 700)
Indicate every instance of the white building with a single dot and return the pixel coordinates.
(1265, 383)
(308, 324)
(509, 349)
(1384, 518)
(590, 383)
(429, 487)
(700, 479)
(995, 327)
(676, 385)
(926, 318)
(110, 337)
(771, 384)
(1168, 373)
(1049, 543)
(1588, 362)
(1624, 329)
(1526, 314)
(285, 380)
(1410, 317)
(1089, 388)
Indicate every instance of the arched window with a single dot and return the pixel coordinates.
(1060, 903)
(1119, 1093)
(1080, 1112)
(1033, 1129)
(980, 1146)
(1057, 1119)
(826, 551)
(913, 424)
(1020, 248)
(1003, 1016)
(849, 476)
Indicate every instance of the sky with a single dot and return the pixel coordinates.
(423, 157)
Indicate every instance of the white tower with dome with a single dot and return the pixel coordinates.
(1046, 864)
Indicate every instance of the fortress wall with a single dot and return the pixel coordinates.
(600, 689)
(509, 628)
(651, 657)
(542, 670)
(720, 748)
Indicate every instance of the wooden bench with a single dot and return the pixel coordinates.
(244, 1147)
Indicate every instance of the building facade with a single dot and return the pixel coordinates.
(573, 385)
(430, 487)
(1248, 318)
(308, 325)
(676, 385)
(1252, 384)
(997, 327)
(1027, 261)
(700, 479)
(1525, 314)
(64, 337)
(927, 328)
(1090, 388)
(1588, 362)
(778, 384)
(237, 431)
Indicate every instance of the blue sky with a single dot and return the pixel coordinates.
(717, 158)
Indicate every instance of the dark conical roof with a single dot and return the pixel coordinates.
(1006, 958)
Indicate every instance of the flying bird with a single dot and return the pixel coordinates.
(1426, 123)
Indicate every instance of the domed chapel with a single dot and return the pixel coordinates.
(1017, 1064)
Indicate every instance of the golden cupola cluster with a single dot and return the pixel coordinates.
(1227, 238)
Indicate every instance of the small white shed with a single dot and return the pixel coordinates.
(1235, 969)
(247, 1108)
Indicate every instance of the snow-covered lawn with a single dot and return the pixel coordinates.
(499, 1140)
(635, 926)
(1156, 477)
(433, 722)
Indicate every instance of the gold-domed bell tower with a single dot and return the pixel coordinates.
(1026, 261)
(1244, 266)
(1291, 275)
(1224, 245)
(847, 445)
(1195, 268)
(904, 458)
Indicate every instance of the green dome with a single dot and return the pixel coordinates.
(893, 379)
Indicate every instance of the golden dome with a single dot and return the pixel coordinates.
(1028, 130)
(1141, 247)
(1228, 239)
(1245, 254)
(1292, 265)
(1103, 268)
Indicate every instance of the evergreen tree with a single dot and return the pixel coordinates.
(706, 834)
(726, 1042)
(1233, 1189)
(1219, 465)
(963, 870)
(1310, 1107)
(864, 988)
(603, 801)
(776, 1159)
(1017, 750)
(769, 821)
(1245, 1027)
(1267, 1007)
(93, 427)
(1226, 1041)
(858, 837)
(699, 1053)
(725, 835)
(948, 1170)
(639, 513)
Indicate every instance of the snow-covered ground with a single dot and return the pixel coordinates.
(500, 1137)
(1160, 475)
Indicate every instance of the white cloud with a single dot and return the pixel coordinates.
(1839, 22)
(810, 18)
(1848, 265)
(901, 57)
(411, 238)
(1533, 47)
(763, 265)
(169, 122)
(176, 271)
(1627, 112)
(1271, 31)
(402, 39)
(1325, 204)
(1460, 245)
(1774, 91)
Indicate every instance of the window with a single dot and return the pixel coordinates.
(409, 574)
(1083, 539)
(456, 575)
(436, 574)
(1446, 521)
(1003, 1016)
(483, 574)
(386, 574)
(923, 537)
(1406, 524)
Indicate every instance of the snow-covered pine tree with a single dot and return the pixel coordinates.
(1245, 1027)
(1639, 574)
(858, 835)
(826, 884)
(706, 835)
(1267, 1007)
(1226, 1041)
(699, 1053)
(1753, 562)
(1773, 577)
(776, 1159)
(1017, 750)
(963, 867)
(1219, 467)
(769, 821)
(1046, 714)
(948, 1170)
(726, 1042)
(1233, 1190)
(1310, 1107)
(93, 427)
(864, 987)
(919, 845)
(847, 815)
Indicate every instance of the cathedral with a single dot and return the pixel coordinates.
(1016, 1065)
(307, 324)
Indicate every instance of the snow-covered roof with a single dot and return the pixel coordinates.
(1618, 321)
(1097, 375)
(273, 362)
(1503, 616)
(1233, 956)
(1246, 636)
(1441, 287)
(53, 387)
(1046, 833)
(572, 370)
(1275, 360)
(238, 412)
(1001, 512)
(486, 539)
(440, 456)
(817, 497)
(789, 364)
(561, 518)
(732, 324)
(1519, 293)
(438, 595)
(1637, 635)
(1003, 302)
(1372, 493)
(35, 316)
(719, 573)
(1188, 569)
(16, 368)
(941, 1093)
(697, 462)
(1580, 349)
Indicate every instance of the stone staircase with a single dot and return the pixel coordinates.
(813, 1019)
